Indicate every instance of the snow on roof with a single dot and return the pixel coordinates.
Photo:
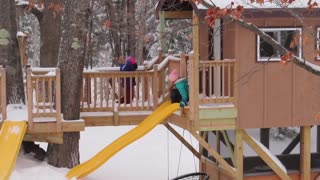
(248, 4)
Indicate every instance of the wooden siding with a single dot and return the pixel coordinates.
(271, 94)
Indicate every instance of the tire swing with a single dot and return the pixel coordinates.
(193, 176)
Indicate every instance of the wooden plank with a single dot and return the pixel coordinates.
(227, 140)
(194, 73)
(3, 94)
(30, 99)
(58, 101)
(305, 152)
(155, 86)
(265, 156)
(182, 140)
(217, 156)
(177, 14)
(50, 127)
(217, 124)
(56, 138)
(238, 154)
(218, 113)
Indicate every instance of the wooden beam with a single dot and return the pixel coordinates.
(194, 74)
(56, 138)
(305, 152)
(217, 156)
(183, 141)
(177, 14)
(50, 127)
(3, 94)
(227, 140)
(238, 154)
(265, 156)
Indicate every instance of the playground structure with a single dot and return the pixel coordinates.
(223, 98)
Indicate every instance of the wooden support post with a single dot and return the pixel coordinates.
(217, 156)
(155, 85)
(269, 160)
(228, 143)
(3, 94)
(30, 99)
(318, 138)
(305, 152)
(58, 100)
(238, 154)
(204, 135)
(194, 75)
(183, 65)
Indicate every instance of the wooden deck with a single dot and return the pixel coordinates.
(102, 87)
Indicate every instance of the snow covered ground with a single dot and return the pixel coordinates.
(157, 156)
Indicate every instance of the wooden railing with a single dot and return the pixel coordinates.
(102, 88)
(3, 100)
(43, 94)
(217, 81)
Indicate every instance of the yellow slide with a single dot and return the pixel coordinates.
(160, 114)
(11, 136)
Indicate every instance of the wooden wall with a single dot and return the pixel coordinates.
(271, 94)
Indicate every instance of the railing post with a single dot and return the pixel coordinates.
(194, 91)
(30, 99)
(3, 93)
(145, 85)
(160, 56)
(155, 86)
(183, 65)
(58, 100)
(235, 80)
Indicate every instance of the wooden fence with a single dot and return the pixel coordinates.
(217, 81)
(44, 98)
(3, 96)
(102, 89)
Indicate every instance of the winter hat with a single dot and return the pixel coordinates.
(131, 59)
(173, 76)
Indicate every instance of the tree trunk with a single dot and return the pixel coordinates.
(131, 29)
(71, 62)
(9, 52)
(50, 34)
(114, 30)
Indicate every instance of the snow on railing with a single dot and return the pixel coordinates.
(104, 90)
(3, 100)
(44, 95)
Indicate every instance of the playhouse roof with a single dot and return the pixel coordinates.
(266, 10)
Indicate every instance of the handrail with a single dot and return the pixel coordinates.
(3, 100)
(43, 94)
(217, 81)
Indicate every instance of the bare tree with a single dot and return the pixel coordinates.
(9, 52)
(49, 16)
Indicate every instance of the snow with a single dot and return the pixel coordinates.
(17, 112)
(155, 156)
(21, 34)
